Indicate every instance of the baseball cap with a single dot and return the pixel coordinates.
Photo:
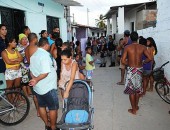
(127, 32)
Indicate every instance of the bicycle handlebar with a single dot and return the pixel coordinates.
(164, 64)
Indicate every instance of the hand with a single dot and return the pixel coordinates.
(32, 82)
(66, 94)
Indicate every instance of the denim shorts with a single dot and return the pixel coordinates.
(49, 100)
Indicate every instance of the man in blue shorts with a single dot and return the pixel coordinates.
(44, 82)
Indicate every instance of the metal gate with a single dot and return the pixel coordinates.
(51, 23)
(14, 21)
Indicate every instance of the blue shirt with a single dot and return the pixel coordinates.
(50, 41)
(41, 63)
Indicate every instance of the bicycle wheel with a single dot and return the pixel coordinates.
(19, 111)
(163, 91)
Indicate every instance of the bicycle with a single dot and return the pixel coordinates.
(162, 85)
(14, 106)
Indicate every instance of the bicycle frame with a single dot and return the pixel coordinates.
(6, 110)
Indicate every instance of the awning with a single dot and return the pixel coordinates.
(68, 2)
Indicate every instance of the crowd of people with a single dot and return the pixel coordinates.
(135, 57)
(137, 60)
(43, 64)
(39, 66)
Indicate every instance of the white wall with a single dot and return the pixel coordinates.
(108, 27)
(161, 34)
(120, 20)
(114, 24)
(130, 17)
(36, 15)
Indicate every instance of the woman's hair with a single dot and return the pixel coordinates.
(143, 41)
(42, 32)
(120, 39)
(153, 44)
(66, 44)
(75, 55)
(10, 40)
(77, 43)
(67, 52)
(87, 48)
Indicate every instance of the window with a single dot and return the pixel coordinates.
(51, 23)
(92, 34)
(97, 34)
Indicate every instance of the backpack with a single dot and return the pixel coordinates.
(111, 46)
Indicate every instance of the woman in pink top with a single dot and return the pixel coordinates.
(69, 72)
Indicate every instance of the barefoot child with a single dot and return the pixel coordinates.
(89, 64)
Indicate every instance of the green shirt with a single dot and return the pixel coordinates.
(88, 59)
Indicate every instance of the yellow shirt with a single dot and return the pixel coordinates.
(11, 57)
(88, 59)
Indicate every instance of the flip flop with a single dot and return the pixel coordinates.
(120, 83)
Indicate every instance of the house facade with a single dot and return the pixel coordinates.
(131, 17)
(149, 20)
(37, 14)
(160, 33)
(83, 32)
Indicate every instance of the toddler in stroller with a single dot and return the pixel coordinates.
(78, 108)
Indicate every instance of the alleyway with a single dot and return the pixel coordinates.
(111, 107)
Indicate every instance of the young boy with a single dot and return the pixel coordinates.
(80, 63)
(89, 64)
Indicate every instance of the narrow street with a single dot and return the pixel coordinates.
(111, 107)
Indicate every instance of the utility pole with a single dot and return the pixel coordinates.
(88, 17)
(73, 19)
(88, 22)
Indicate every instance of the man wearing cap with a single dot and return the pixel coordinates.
(125, 42)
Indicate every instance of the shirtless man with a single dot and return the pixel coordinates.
(32, 47)
(133, 85)
(125, 42)
(29, 51)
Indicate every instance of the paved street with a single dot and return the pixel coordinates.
(111, 107)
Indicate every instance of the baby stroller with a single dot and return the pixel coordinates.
(78, 108)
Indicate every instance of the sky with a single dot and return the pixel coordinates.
(96, 7)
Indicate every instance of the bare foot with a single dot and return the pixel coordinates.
(38, 114)
(141, 95)
(137, 108)
(132, 111)
(150, 90)
(120, 83)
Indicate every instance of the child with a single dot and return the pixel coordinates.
(80, 64)
(89, 64)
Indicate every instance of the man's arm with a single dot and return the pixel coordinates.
(27, 55)
(35, 80)
(123, 60)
